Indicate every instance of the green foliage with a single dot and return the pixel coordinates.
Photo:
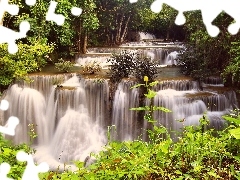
(144, 66)
(204, 55)
(196, 155)
(199, 153)
(57, 80)
(157, 130)
(130, 63)
(8, 153)
(162, 24)
(234, 118)
(122, 65)
(29, 58)
(231, 73)
(91, 67)
(194, 63)
(63, 66)
(65, 36)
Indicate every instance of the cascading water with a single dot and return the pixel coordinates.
(171, 58)
(162, 54)
(72, 113)
(144, 35)
(73, 121)
(70, 123)
(32, 112)
(188, 104)
(124, 119)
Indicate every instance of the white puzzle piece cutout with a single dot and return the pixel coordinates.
(30, 2)
(12, 122)
(52, 16)
(4, 170)
(76, 11)
(10, 126)
(4, 105)
(59, 18)
(210, 9)
(31, 171)
(8, 35)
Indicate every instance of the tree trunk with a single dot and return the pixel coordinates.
(124, 33)
(79, 38)
(85, 38)
(83, 46)
(168, 31)
(119, 28)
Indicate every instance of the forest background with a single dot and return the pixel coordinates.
(111, 23)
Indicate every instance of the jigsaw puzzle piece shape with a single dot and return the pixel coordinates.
(10, 36)
(208, 16)
(10, 126)
(52, 16)
(231, 7)
(31, 171)
(206, 6)
(12, 9)
(4, 170)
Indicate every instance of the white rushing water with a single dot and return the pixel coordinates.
(69, 124)
(72, 118)
(72, 114)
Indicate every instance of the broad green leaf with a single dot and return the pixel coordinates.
(151, 94)
(235, 133)
(232, 119)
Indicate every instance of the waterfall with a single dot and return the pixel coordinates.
(171, 58)
(157, 54)
(144, 35)
(32, 112)
(44, 84)
(72, 113)
(76, 136)
(70, 117)
(122, 117)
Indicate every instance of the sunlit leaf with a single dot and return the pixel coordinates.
(235, 133)
(153, 83)
(136, 86)
(150, 94)
(161, 108)
(232, 119)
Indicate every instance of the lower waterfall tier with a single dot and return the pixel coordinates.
(72, 118)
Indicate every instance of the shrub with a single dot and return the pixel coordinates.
(29, 58)
(195, 62)
(91, 67)
(122, 65)
(231, 73)
(144, 66)
(63, 66)
(131, 63)
(8, 153)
